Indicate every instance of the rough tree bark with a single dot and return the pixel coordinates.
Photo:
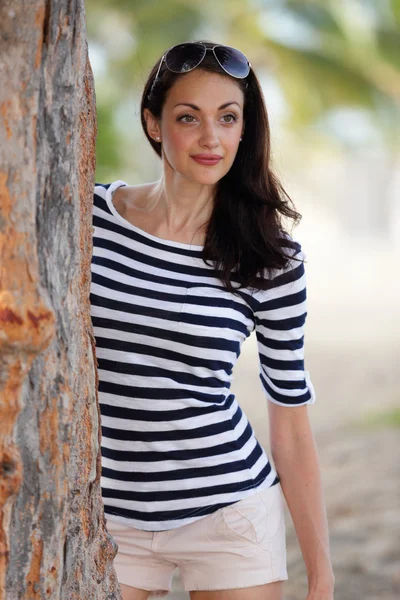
(53, 541)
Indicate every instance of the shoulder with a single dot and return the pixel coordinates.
(291, 277)
(131, 197)
(99, 196)
(296, 257)
(292, 248)
(104, 191)
(102, 188)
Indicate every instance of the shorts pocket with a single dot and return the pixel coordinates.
(241, 527)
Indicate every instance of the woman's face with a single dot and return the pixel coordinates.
(202, 115)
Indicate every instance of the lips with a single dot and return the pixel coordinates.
(207, 159)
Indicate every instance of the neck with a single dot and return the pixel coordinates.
(182, 205)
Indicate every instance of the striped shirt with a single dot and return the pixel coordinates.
(176, 445)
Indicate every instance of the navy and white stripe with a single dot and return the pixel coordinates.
(176, 445)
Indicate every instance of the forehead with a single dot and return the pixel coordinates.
(205, 89)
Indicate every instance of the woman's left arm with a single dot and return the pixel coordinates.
(294, 452)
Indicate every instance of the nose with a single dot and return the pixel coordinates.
(209, 135)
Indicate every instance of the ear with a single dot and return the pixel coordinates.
(152, 125)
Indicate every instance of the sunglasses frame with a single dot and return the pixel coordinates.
(163, 58)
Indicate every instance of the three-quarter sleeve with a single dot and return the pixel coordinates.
(280, 317)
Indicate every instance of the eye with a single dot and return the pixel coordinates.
(234, 118)
(184, 117)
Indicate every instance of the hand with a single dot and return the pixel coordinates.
(322, 592)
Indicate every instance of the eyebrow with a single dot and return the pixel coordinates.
(197, 108)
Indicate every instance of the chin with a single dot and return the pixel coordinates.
(210, 180)
(209, 177)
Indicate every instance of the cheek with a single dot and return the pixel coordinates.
(177, 139)
(234, 141)
(232, 146)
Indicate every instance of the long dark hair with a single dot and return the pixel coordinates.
(245, 236)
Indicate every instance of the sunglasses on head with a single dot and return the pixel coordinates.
(185, 57)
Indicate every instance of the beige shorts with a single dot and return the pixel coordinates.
(240, 545)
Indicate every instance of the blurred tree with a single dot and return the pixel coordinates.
(325, 54)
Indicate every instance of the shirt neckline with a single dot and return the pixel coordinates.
(109, 192)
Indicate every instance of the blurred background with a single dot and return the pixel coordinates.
(330, 72)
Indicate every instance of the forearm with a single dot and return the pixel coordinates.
(296, 461)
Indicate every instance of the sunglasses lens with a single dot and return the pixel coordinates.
(233, 61)
(184, 57)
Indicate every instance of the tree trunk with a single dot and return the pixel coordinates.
(53, 541)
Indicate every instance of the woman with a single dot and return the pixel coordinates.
(183, 270)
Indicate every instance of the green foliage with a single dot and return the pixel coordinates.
(108, 159)
(389, 46)
(318, 16)
(301, 73)
(351, 62)
(395, 9)
(379, 419)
